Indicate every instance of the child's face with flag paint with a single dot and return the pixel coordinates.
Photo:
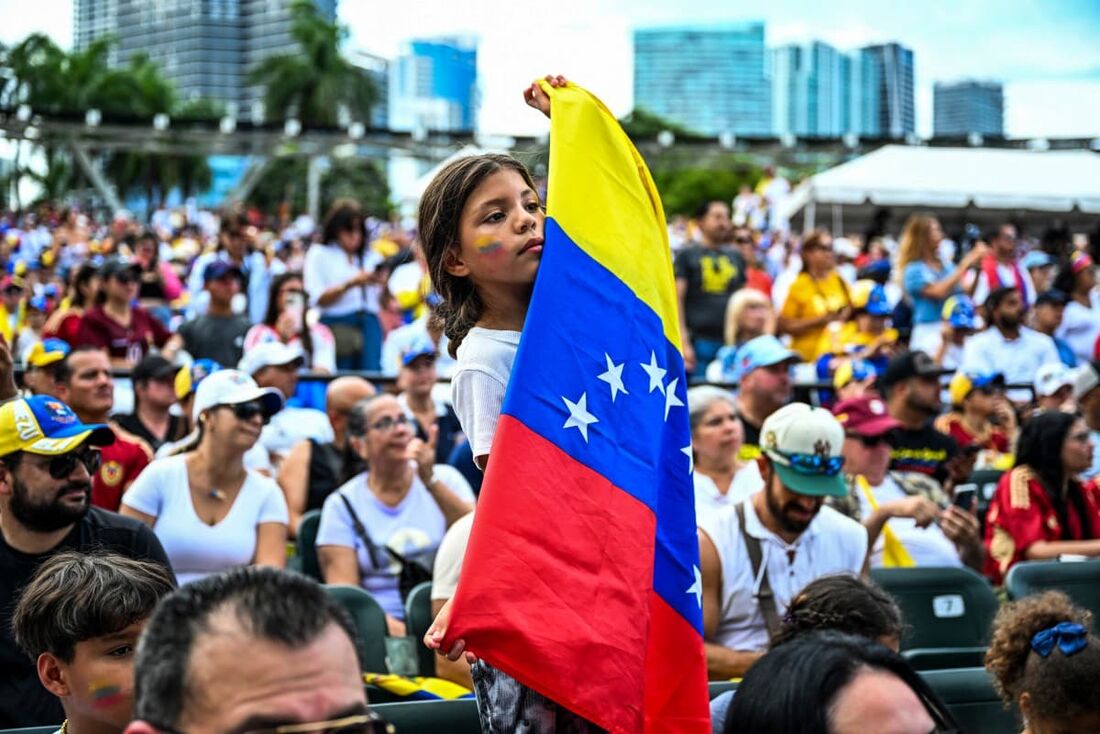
(500, 233)
(98, 683)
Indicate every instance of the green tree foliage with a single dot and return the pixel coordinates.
(641, 123)
(316, 81)
(355, 178)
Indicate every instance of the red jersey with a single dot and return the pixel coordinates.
(994, 439)
(67, 329)
(122, 342)
(1021, 514)
(119, 465)
(757, 279)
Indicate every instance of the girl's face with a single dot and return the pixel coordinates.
(293, 285)
(754, 318)
(719, 433)
(500, 233)
(351, 239)
(1077, 448)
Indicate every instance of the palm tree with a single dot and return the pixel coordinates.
(315, 82)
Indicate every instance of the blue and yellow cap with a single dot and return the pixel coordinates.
(962, 384)
(959, 311)
(189, 376)
(44, 425)
(47, 352)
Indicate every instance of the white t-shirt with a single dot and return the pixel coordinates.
(1080, 327)
(1018, 359)
(831, 544)
(480, 380)
(708, 499)
(256, 458)
(927, 546)
(194, 548)
(329, 265)
(448, 559)
(403, 338)
(415, 524)
(291, 425)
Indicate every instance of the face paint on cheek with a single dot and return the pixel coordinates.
(106, 695)
(486, 245)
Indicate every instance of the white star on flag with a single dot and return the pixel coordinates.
(656, 374)
(691, 458)
(671, 398)
(614, 377)
(579, 417)
(697, 587)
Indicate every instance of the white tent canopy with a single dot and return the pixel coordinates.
(956, 178)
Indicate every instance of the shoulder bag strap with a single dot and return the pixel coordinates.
(361, 531)
(764, 597)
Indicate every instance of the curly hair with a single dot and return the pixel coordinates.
(437, 224)
(842, 603)
(1056, 685)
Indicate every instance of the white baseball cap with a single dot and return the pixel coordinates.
(269, 354)
(1085, 378)
(233, 387)
(1051, 377)
(804, 445)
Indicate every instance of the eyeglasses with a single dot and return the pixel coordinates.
(1082, 437)
(869, 442)
(247, 411)
(62, 465)
(126, 277)
(815, 464)
(368, 723)
(388, 423)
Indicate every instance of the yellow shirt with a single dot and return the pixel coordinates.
(840, 340)
(810, 298)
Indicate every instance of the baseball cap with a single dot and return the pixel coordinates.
(269, 354)
(852, 370)
(959, 311)
(233, 387)
(11, 282)
(1080, 262)
(1085, 378)
(1036, 259)
(1052, 296)
(804, 445)
(962, 384)
(420, 348)
(44, 425)
(864, 416)
(189, 377)
(116, 265)
(1051, 377)
(909, 364)
(219, 269)
(869, 296)
(47, 352)
(763, 351)
(153, 367)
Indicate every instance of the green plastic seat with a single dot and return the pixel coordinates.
(307, 544)
(1079, 580)
(947, 613)
(432, 717)
(716, 688)
(418, 618)
(370, 624)
(969, 694)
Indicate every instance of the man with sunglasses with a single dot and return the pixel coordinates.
(47, 459)
(755, 556)
(250, 650)
(903, 528)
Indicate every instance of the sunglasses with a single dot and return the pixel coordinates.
(869, 442)
(388, 423)
(62, 465)
(368, 723)
(247, 411)
(815, 464)
(126, 277)
(742, 241)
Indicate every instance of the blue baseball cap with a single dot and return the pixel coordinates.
(959, 311)
(763, 351)
(420, 348)
(1036, 259)
(219, 269)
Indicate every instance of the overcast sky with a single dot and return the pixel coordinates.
(1046, 52)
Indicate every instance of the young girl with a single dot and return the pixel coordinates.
(481, 225)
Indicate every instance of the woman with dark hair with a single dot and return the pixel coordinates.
(343, 278)
(1080, 325)
(286, 322)
(1045, 659)
(818, 298)
(833, 683)
(64, 323)
(1040, 509)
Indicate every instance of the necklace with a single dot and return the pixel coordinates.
(216, 494)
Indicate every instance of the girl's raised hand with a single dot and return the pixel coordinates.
(537, 98)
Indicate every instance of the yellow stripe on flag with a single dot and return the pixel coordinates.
(606, 201)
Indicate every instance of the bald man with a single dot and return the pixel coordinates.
(312, 470)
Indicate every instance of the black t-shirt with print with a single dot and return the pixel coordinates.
(921, 451)
(712, 275)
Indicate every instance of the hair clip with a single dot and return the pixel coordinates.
(1070, 637)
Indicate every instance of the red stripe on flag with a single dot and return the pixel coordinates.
(676, 673)
(557, 579)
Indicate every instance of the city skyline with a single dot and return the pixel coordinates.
(1044, 54)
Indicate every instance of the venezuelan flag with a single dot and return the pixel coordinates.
(582, 578)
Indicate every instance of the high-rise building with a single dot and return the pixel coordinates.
(812, 91)
(378, 69)
(205, 47)
(710, 80)
(890, 70)
(968, 107)
(433, 86)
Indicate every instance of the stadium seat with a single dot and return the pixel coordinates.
(432, 717)
(1079, 580)
(947, 613)
(717, 687)
(970, 695)
(418, 617)
(307, 544)
(370, 623)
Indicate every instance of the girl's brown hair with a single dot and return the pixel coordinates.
(438, 224)
(916, 241)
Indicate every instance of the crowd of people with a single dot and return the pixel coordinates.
(161, 419)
